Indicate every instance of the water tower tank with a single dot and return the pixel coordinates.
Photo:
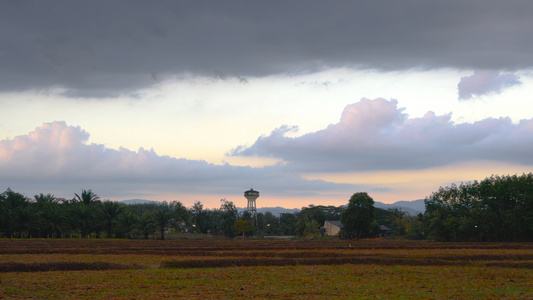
(252, 196)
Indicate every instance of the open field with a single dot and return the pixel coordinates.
(264, 268)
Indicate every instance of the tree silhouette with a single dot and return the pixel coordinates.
(242, 226)
(229, 216)
(359, 215)
(110, 213)
(161, 217)
(13, 212)
(87, 197)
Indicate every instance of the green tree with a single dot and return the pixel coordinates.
(270, 224)
(146, 226)
(312, 228)
(199, 217)
(287, 224)
(110, 214)
(161, 217)
(128, 222)
(358, 216)
(229, 216)
(181, 216)
(242, 226)
(14, 209)
(51, 216)
(499, 208)
(307, 215)
(48, 198)
(415, 227)
(85, 213)
(247, 216)
(81, 217)
(86, 197)
(393, 218)
(301, 224)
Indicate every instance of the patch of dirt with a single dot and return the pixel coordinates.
(62, 266)
(400, 261)
(214, 252)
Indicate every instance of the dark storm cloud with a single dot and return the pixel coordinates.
(376, 135)
(105, 48)
(57, 156)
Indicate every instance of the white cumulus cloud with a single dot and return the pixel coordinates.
(56, 156)
(377, 135)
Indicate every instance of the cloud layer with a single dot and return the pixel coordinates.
(377, 135)
(57, 156)
(485, 82)
(107, 48)
(371, 135)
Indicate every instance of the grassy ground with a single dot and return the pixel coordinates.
(282, 269)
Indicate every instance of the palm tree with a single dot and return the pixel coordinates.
(85, 211)
(161, 217)
(42, 198)
(87, 197)
(146, 225)
(127, 223)
(81, 218)
(48, 215)
(110, 214)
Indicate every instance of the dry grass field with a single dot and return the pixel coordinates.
(264, 268)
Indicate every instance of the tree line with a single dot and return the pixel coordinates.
(499, 208)
(86, 216)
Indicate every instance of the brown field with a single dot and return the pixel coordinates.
(264, 268)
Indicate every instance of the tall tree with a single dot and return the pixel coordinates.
(146, 225)
(48, 198)
(287, 223)
(14, 213)
(110, 214)
(270, 223)
(86, 197)
(199, 215)
(229, 216)
(242, 226)
(49, 216)
(86, 212)
(181, 216)
(161, 217)
(359, 215)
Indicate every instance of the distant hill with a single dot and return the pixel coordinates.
(276, 211)
(412, 208)
(138, 201)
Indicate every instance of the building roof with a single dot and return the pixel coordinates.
(384, 228)
(336, 223)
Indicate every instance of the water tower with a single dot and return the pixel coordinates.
(252, 195)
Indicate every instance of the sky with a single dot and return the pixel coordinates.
(306, 101)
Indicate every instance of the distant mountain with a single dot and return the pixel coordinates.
(276, 211)
(418, 205)
(412, 208)
(138, 201)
